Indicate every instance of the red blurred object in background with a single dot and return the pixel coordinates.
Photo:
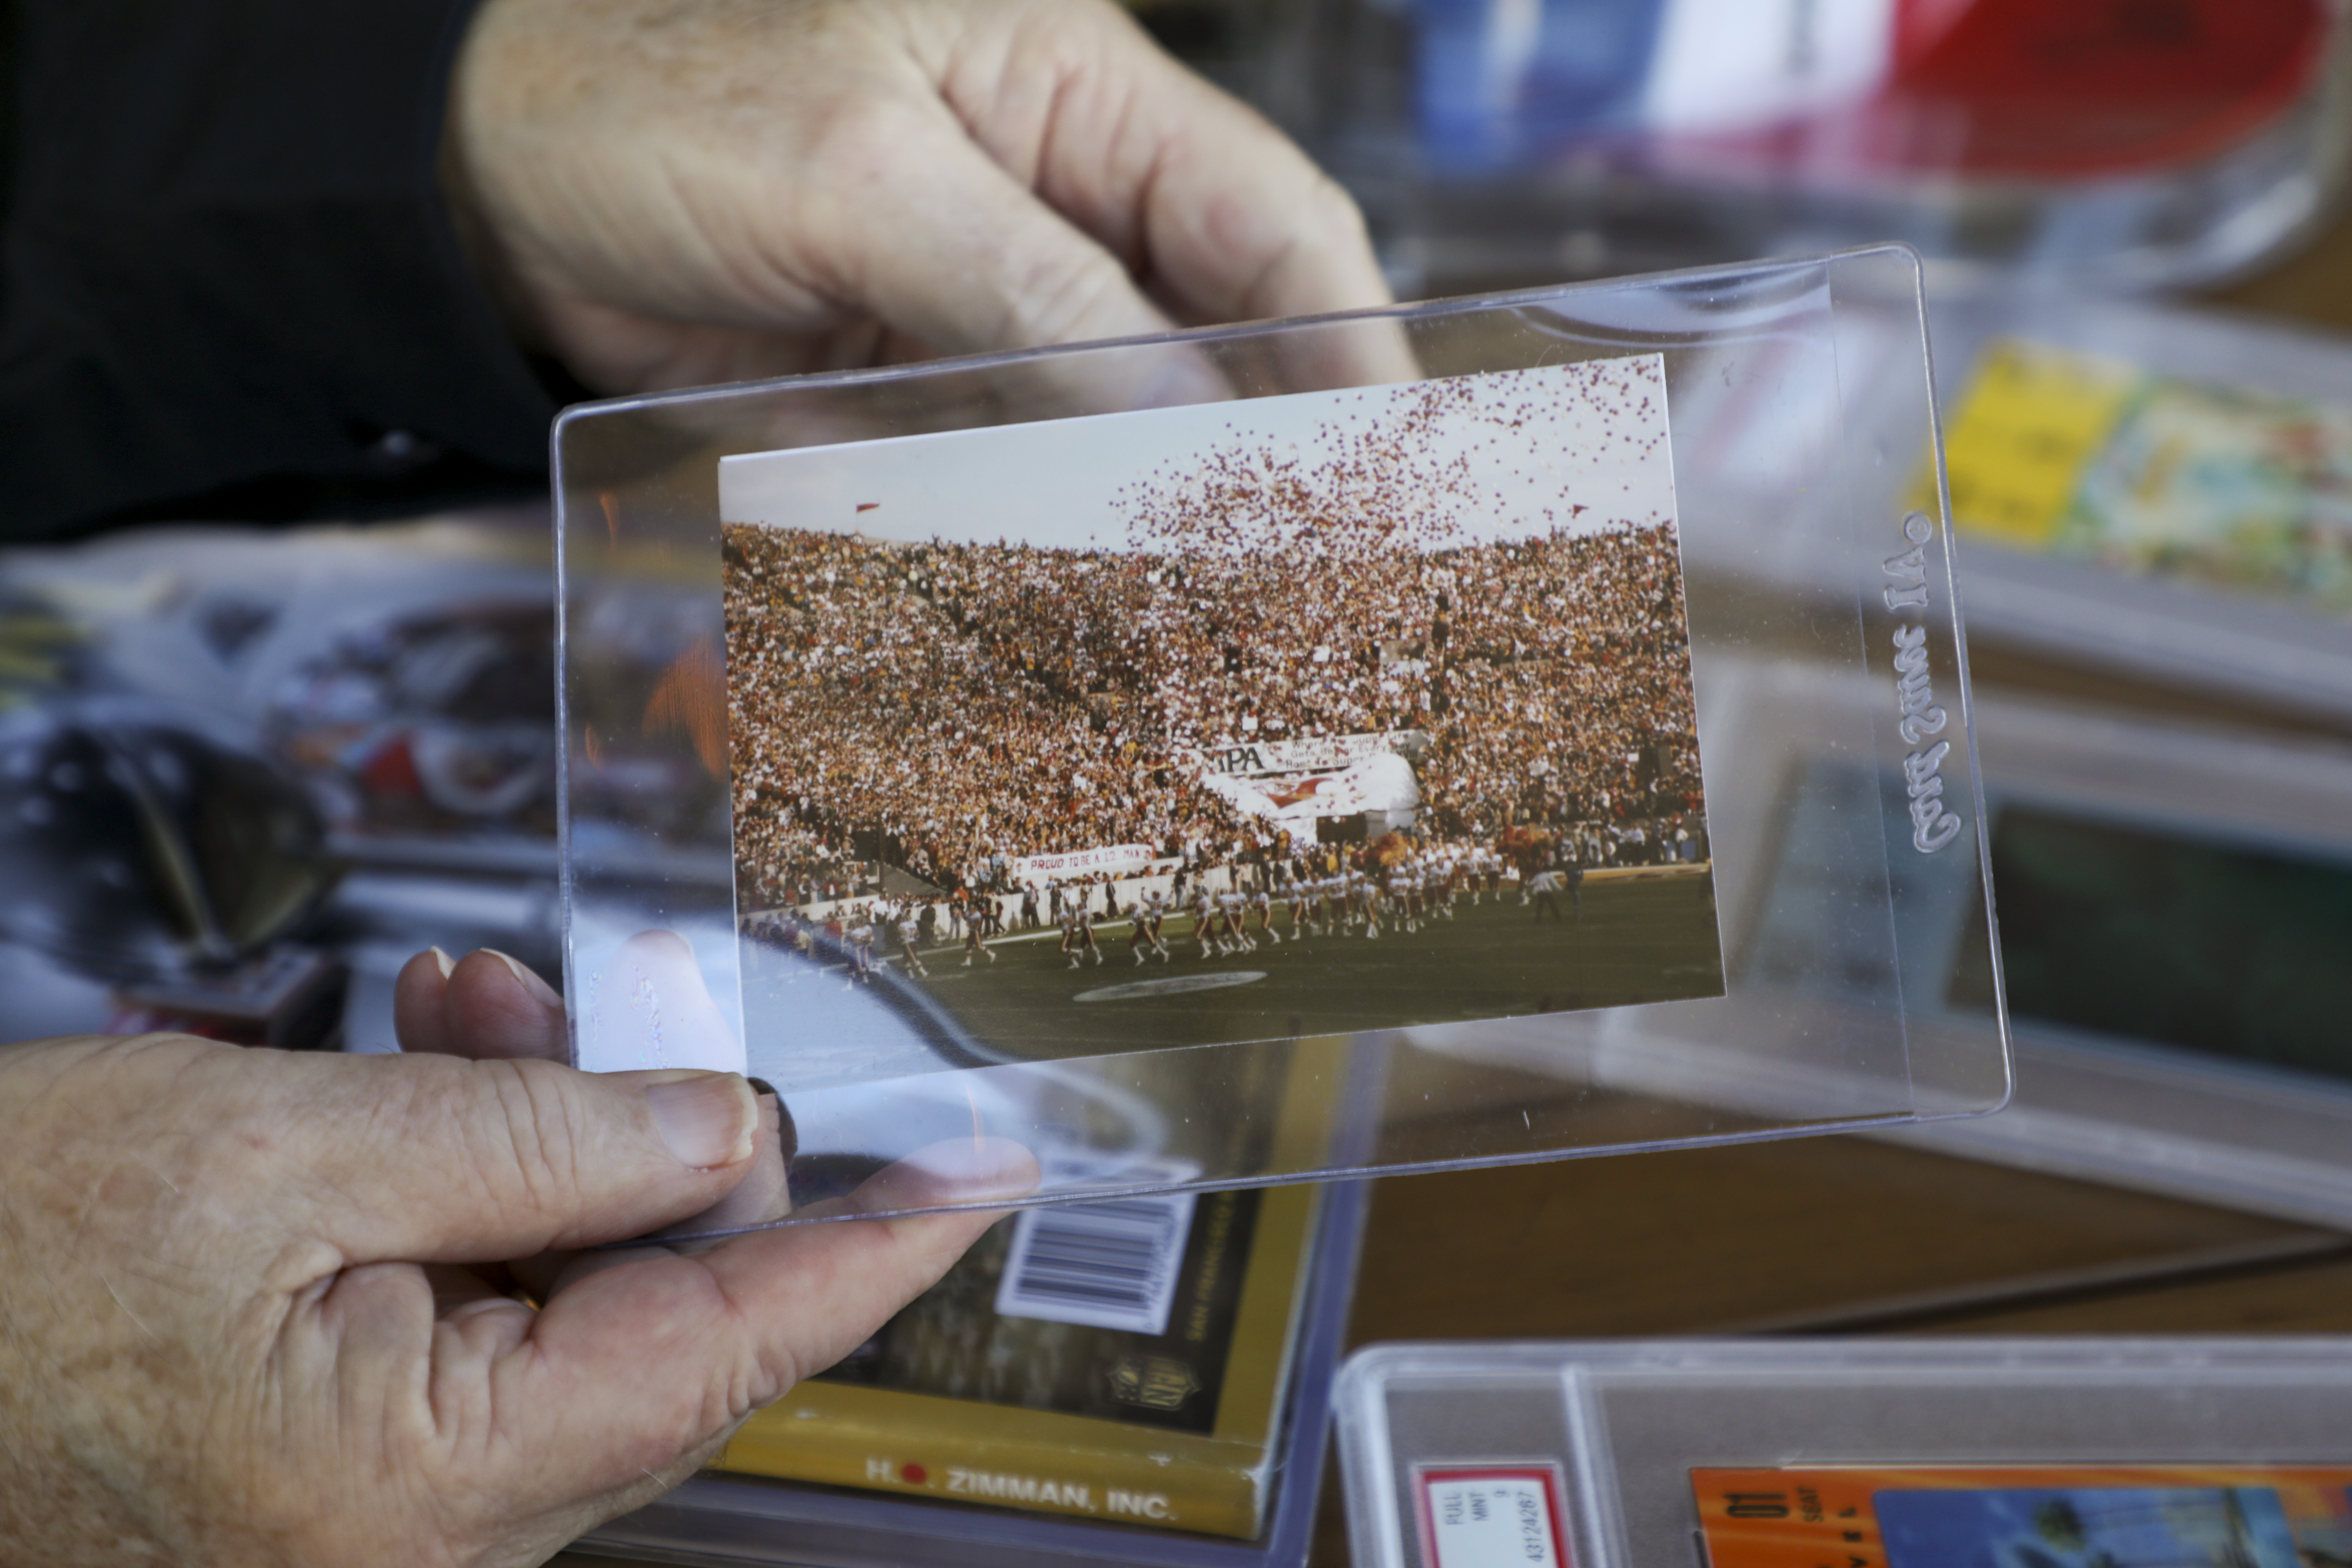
(2051, 89)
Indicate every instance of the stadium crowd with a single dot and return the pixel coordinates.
(944, 707)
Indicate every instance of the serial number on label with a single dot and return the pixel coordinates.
(1492, 1518)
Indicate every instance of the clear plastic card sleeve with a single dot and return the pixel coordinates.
(1277, 752)
(1889, 1453)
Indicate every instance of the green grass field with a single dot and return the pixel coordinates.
(1642, 939)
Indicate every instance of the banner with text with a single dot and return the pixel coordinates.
(1383, 783)
(1116, 859)
(1323, 753)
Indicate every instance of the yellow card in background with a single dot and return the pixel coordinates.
(2031, 422)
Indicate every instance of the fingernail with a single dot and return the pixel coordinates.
(968, 1170)
(525, 976)
(705, 1120)
(445, 962)
(1183, 379)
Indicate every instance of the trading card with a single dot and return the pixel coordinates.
(1290, 716)
(2062, 453)
(2034, 1516)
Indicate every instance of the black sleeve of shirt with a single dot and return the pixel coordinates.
(226, 261)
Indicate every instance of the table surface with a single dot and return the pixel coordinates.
(1849, 1234)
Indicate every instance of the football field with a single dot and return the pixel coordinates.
(1648, 938)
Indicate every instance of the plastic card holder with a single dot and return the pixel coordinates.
(1284, 751)
(718, 1518)
(1888, 1454)
(2174, 897)
(2173, 848)
(2181, 517)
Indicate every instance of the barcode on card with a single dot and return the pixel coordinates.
(1106, 1265)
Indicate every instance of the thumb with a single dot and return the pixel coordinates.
(439, 1160)
(1022, 276)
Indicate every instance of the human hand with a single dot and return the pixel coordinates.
(251, 1304)
(670, 193)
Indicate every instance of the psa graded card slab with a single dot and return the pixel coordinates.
(2266, 1516)
(1849, 1452)
(2175, 900)
(1180, 757)
(2155, 491)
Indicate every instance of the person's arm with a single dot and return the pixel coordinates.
(227, 260)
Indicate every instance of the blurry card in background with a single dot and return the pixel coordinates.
(245, 772)
(2049, 1516)
(2093, 146)
(1124, 1360)
(2060, 452)
(1831, 89)
(406, 671)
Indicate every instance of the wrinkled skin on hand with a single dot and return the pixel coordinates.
(668, 193)
(254, 1307)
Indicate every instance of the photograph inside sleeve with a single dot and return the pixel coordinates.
(1292, 716)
